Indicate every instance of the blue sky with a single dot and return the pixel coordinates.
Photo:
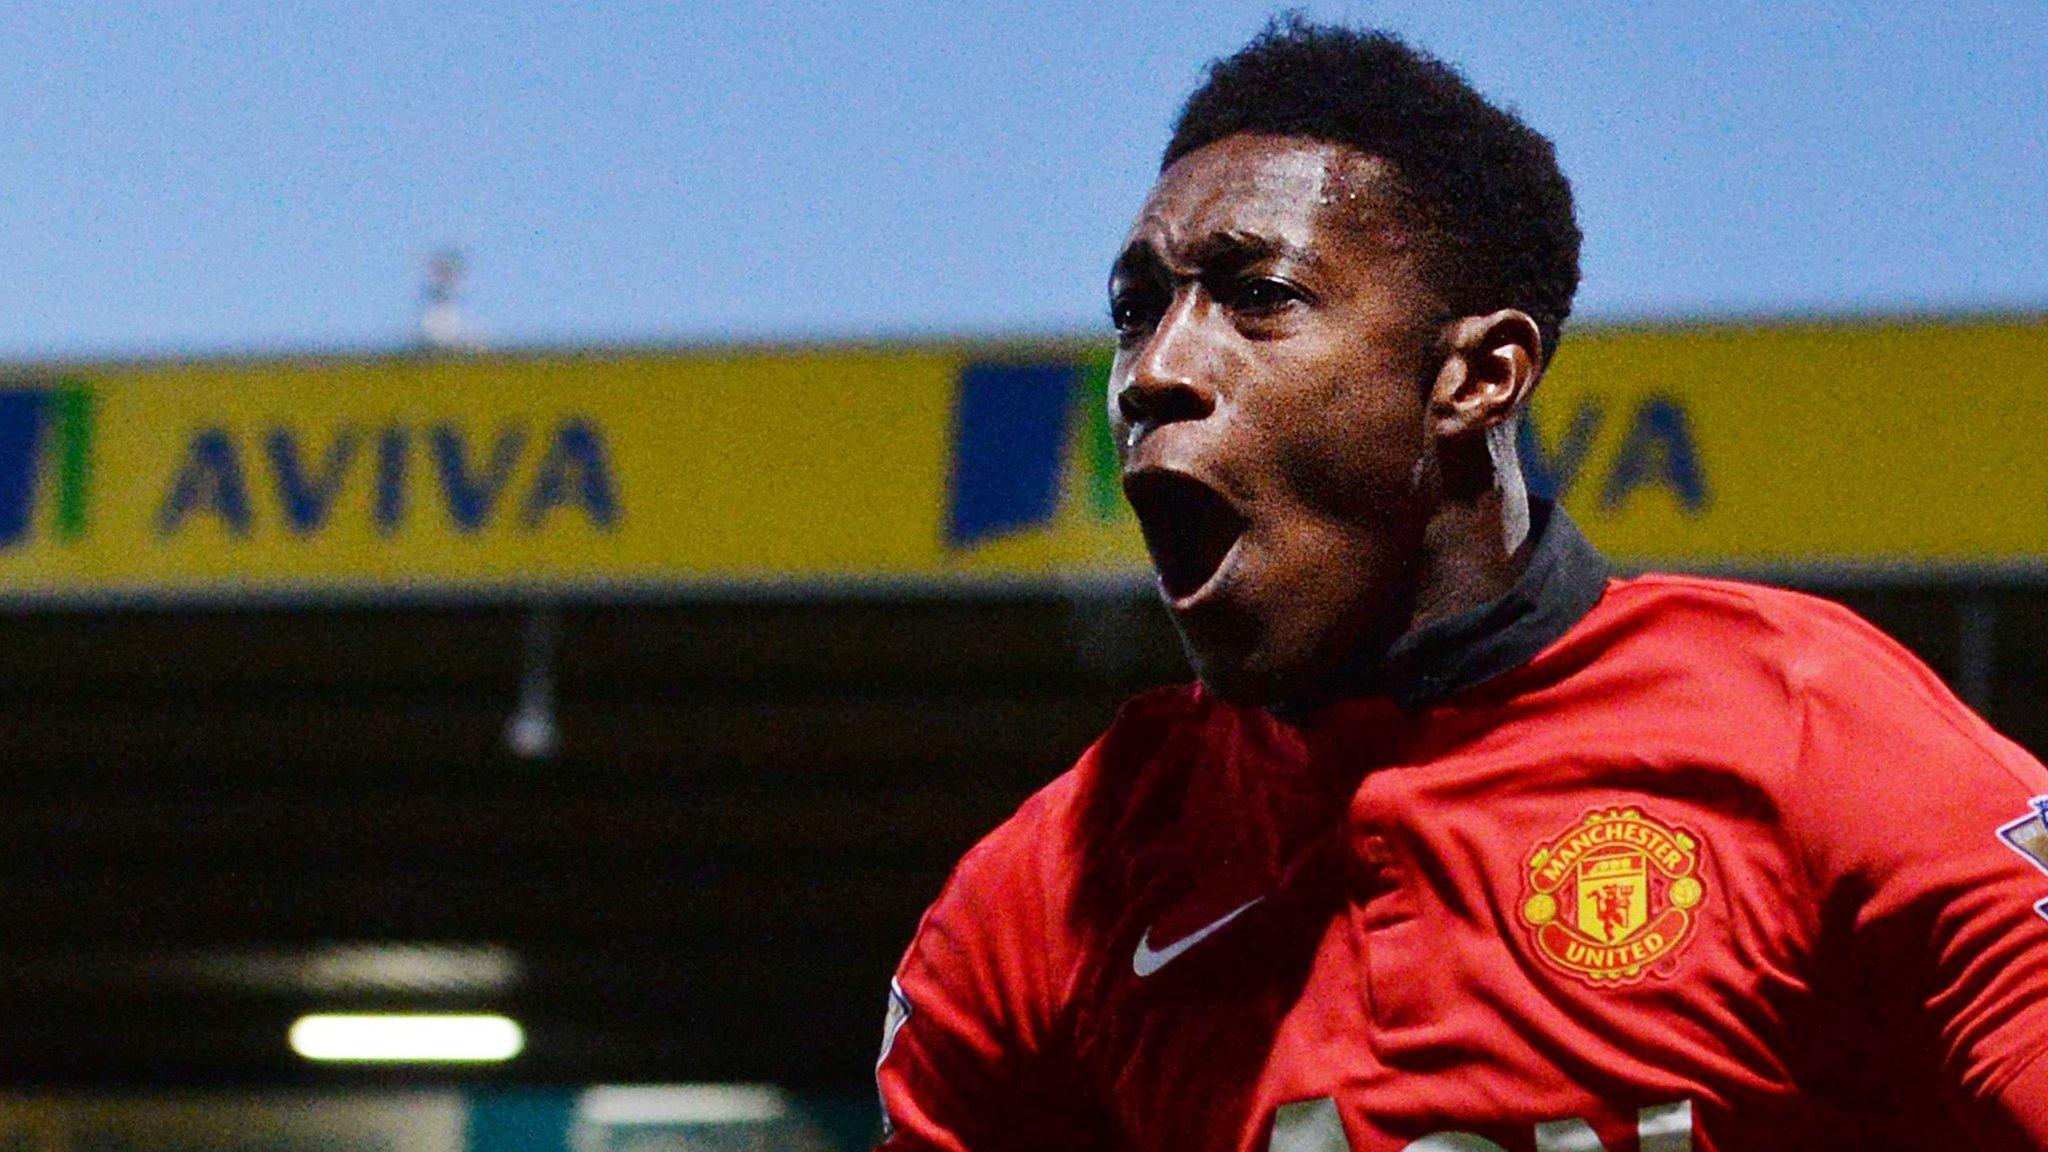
(194, 178)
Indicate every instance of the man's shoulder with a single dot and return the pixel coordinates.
(1808, 640)
(1763, 609)
(1809, 652)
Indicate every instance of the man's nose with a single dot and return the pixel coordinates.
(1168, 382)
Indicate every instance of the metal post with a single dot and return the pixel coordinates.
(532, 733)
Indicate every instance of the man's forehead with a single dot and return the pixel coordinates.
(1279, 188)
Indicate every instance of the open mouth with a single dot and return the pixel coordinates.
(1189, 528)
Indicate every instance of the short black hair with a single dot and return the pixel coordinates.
(1487, 186)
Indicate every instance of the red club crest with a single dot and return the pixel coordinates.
(1613, 896)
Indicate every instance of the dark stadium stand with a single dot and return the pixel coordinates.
(750, 805)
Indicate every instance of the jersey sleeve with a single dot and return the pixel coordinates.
(975, 1053)
(1926, 836)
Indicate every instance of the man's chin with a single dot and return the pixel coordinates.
(1232, 651)
(1249, 668)
(1245, 680)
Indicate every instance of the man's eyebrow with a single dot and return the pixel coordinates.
(1216, 252)
(1235, 249)
(1138, 258)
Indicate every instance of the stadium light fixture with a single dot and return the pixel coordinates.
(407, 1038)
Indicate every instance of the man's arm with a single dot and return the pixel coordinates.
(1926, 835)
(975, 1052)
(2022, 1107)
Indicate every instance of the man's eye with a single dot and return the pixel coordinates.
(1132, 312)
(1260, 295)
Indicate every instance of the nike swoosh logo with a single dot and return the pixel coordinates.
(1145, 961)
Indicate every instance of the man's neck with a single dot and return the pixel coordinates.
(1472, 552)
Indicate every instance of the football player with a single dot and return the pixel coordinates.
(1460, 844)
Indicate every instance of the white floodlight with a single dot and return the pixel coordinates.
(411, 1038)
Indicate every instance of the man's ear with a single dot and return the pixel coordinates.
(1491, 364)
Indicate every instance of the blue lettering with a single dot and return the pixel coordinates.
(1551, 474)
(574, 472)
(1660, 450)
(312, 478)
(307, 499)
(393, 447)
(210, 480)
(472, 496)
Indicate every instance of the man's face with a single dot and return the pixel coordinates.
(1268, 404)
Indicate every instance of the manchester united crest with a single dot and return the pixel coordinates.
(1613, 896)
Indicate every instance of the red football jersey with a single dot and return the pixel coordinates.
(1660, 863)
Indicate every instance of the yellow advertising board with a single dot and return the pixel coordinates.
(1911, 445)
(1908, 446)
(531, 472)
